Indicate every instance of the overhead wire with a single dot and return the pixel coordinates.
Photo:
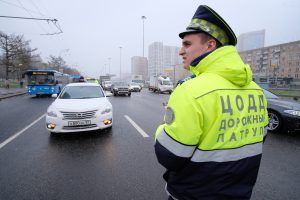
(45, 10)
(32, 16)
(36, 7)
(29, 11)
(12, 4)
(55, 22)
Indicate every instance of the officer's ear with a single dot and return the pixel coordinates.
(211, 44)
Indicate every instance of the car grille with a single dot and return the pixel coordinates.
(79, 127)
(79, 115)
(122, 89)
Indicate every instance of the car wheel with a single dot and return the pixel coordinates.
(275, 121)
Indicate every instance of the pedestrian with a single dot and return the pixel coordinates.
(214, 124)
(7, 83)
(81, 79)
(21, 83)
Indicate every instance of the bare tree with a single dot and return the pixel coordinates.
(71, 71)
(56, 63)
(17, 54)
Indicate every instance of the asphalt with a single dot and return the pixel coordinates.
(11, 92)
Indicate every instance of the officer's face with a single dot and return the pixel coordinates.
(193, 46)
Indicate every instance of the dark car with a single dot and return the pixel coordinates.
(120, 88)
(284, 115)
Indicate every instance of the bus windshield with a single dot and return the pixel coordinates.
(40, 79)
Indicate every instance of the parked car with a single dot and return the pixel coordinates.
(283, 115)
(79, 107)
(135, 87)
(120, 88)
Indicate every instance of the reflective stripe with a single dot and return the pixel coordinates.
(227, 154)
(175, 147)
(168, 193)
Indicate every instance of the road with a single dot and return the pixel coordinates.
(115, 164)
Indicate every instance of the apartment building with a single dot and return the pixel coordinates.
(280, 63)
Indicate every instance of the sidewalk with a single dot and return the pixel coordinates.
(6, 93)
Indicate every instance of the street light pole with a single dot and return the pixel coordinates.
(143, 18)
(174, 74)
(109, 65)
(104, 69)
(120, 60)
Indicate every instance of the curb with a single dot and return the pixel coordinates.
(12, 95)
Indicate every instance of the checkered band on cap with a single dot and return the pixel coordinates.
(210, 28)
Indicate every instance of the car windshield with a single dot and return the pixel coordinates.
(166, 82)
(91, 81)
(81, 92)
(120, 84)
(270, 95)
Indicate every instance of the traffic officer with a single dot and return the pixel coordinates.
(214, 125)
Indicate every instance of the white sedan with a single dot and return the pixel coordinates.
(135, 87)
(79, 107)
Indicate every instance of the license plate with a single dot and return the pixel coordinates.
(79, 123)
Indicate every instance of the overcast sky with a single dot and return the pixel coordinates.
(93, 30)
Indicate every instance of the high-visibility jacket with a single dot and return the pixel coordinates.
(211, 141)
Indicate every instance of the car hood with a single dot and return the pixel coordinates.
(121, 86)
(284, 103)
(134, 86)
(74, 105)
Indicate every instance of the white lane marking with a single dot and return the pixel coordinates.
(143, 133)
(20, 132)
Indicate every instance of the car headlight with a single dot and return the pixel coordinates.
(107, 110)
(115, 88)
(293, 112)
(52, 114)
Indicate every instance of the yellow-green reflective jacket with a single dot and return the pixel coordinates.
(213, 131)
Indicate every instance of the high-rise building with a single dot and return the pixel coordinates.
(251, 40)
(139, 66)
(171, 56)
(161, 58)
(155, 59)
